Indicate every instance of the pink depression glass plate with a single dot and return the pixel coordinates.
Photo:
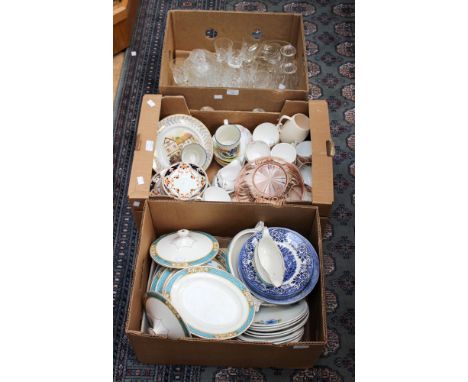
(269, 180)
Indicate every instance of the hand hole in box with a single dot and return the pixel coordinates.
(211, 33)
(257, 34)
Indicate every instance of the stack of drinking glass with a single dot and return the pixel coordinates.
(265, 64)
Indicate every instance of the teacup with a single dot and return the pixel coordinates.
(284, 151)
(194, 153)
(304, 152)
(216, 194)
(227, 176)
(226, 143)
(257, 149)
(268, 133)
(306, 173)
(295, 129)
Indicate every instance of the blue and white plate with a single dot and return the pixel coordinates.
(301, 263)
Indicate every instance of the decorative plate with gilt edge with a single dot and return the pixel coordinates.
(174, 133)
(184, 248)
(213, 303)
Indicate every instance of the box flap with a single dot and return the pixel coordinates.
(140, 176)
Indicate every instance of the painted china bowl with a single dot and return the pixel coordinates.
(184, 181)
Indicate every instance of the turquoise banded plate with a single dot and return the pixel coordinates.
(212, 302)
(184, 248)
(163, 318)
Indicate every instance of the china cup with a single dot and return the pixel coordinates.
(304, 152)
(194, 153)
(257, 149)
(268, 133)
(295, 129)
(226, 143)
(284, 151)
(216, 194)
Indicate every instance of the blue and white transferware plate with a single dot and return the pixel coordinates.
(212, 302)
(184, 249)
(300, 260)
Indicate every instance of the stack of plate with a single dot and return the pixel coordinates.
(301, 267)
(278, 324)
(162, 275)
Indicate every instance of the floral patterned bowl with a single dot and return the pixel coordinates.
(184, 181)
(300, 260)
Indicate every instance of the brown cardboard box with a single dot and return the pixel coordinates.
(154, 107)
(188, 30)
(165, 216)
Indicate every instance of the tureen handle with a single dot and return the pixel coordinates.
(183, 239)
(158, 329)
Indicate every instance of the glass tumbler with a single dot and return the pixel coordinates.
(288, 53)
(223, 47)
(288, 76)
(237, 55)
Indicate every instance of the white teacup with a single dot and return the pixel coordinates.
(304, 152)
(284, 151)
(194, 153)
(257, 149)
(295, 129)
(216, 194)
(268, 133)
(227, 176)
(306, 173)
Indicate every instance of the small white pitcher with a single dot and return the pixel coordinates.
(295, 129)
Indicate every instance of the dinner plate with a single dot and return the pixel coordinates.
(301, 263)
(283, 331)
(292, 337)
(163, 318)
(269, 316)
(212, 302)
(174, 133)
(278, 328)
(155, 278)
(184, 249)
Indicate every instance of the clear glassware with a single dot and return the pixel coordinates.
(269, 52)
(288, 76)
(223, 47)
(178, 73)
(237, 55)
(288, 53)
(263, 79)
(199, 67)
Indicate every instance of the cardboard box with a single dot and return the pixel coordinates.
(165, 216)
(155, 107)
(188, 30)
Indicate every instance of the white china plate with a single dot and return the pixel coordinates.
(212, 302)
(176, 131)
(283, 331)
(293, 337)
(184, 249)
(269, 316)
(162, 316)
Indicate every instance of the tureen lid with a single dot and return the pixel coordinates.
(184, 249)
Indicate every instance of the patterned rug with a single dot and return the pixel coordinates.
(329, 28)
